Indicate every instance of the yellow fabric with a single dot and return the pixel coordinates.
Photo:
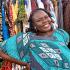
(15, 10)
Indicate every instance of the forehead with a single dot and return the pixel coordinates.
(39, 14)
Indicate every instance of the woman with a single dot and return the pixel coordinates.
(48, 47)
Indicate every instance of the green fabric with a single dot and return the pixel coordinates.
(23, 48)
(45, 52)
(48, 62)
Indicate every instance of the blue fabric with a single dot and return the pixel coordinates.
(50, 53)
(14, 48)
(10, 48)
(4, 26)
(47, 53)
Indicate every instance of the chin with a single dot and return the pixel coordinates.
(44, 31)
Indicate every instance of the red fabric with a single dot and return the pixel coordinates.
(11, 22)
(6, 66)
(33, 4)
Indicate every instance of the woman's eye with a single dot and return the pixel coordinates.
(38, 20)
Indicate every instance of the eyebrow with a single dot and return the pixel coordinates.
(42, 17)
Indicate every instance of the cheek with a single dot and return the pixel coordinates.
(39, 27)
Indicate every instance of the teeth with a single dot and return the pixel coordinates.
(46, 25)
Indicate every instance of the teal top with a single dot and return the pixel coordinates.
(43, 53)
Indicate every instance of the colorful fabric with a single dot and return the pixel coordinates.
(1, 32)
(6, 66)
(34, 4)
(28, 9)
(15, 10)
(21, 11)
(11, 21)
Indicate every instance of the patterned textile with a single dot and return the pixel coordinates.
(6, 66)
(49, 53)
(11, 21)
(43, 53)
(13, 46)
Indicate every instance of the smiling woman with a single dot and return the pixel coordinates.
(42, 21)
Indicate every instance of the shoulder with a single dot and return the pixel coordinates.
(64, 34)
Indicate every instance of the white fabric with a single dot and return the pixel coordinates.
(40, 4)
(28, 8)
(53, 14)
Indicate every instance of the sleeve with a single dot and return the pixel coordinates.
(9, 47)
(65, 36)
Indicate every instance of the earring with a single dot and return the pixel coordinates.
(35, 29)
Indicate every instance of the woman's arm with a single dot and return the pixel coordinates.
(13, 60)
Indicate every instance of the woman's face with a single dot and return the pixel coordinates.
(42, 21)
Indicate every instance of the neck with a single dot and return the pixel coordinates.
(48, 33)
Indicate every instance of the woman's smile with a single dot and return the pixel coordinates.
(46, 25)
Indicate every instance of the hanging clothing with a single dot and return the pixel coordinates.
(28, 9)
(66, 16)
(4, 24)
(1, 32)
(60, 14)
(10, 19)
(40, 4)
(55, 5)
(34, 4)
